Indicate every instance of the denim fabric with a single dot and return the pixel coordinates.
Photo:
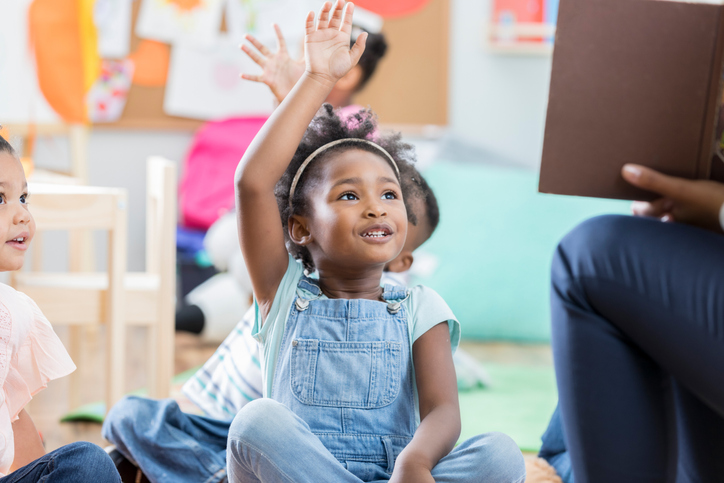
(342, 404)
(75, 463)
(554, 449)
(345, 368)
(269, 443)
(168, 445)
(638, 343)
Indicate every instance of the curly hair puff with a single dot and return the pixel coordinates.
(326, 127)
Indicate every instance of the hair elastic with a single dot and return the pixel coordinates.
(311, 157)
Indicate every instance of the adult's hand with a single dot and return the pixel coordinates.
(694, 202)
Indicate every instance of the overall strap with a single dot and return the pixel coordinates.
(307, 290)
(394, 295)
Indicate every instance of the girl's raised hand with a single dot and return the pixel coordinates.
(326, 45)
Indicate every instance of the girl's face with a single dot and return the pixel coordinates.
(358, 217)
(17, 226)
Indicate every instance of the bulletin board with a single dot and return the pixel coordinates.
(409, 87)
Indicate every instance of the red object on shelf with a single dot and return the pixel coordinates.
(528, 11)
(392, 9)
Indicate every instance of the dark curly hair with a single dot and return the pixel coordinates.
(375, 49)
(423, 191)
(326, 127)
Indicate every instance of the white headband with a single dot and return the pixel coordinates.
(311, 157)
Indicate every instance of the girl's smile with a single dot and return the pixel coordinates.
(17, 226)
(357, 214)
(378, 233)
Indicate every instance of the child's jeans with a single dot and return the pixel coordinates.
(75, 463)
(171, 446)
(168, 445)
(554, 449)
(269, 443)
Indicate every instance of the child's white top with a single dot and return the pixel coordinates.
(30, 355)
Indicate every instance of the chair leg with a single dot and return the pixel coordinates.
(75, 349)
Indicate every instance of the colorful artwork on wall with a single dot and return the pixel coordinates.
(191, 21)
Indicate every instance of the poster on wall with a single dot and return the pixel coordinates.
(257, 16)
(107, 97)
(204, 83)
(112, 18)
(190, 21)
(523, 26)
(21, 100)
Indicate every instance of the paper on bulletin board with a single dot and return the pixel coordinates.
(189, 21)
(107, 97)
(21, 100)
(256, 17)
(204, 83)
(113, 21)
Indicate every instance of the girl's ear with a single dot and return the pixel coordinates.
(298, 231)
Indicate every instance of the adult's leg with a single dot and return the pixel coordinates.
(554, 449)
(633, 302)
(269, 443)
(166, 443)
(700, 436)
(489, 457)
(80, 462)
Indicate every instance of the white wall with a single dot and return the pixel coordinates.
(497, 101)
(116, 159)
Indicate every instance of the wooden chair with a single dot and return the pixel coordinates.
(82, 299)
(115, 298)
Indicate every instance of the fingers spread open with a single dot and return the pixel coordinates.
(337, 12)
(281, 43)
(346, 26)
(255, 42)
(323, 20)
(358, 48)
(254, 55)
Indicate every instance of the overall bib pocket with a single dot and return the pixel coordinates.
(361, 375)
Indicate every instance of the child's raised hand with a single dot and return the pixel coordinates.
(326, 46)
(280, 72)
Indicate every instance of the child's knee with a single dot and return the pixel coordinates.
(123, 416)
(500, 455)
(87, 463)
(261, 420)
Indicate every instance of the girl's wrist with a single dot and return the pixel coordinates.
(324, 81)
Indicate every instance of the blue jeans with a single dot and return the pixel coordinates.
(168, 445)
(269, 443)
(637, 310)
(554, 449)
(75, 463)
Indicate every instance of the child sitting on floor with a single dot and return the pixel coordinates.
(30, 356)
(359, 382)
(230, 379)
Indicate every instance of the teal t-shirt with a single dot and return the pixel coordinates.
(425, 307)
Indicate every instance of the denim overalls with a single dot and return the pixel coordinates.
(345, 368)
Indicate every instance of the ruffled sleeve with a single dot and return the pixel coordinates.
(40, 358)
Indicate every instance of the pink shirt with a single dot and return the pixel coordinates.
(30, 355)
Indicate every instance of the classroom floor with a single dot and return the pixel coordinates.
(47, 407)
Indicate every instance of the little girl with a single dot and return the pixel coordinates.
(359, 383)
(30, 356)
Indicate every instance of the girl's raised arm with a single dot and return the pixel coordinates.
(327, 58)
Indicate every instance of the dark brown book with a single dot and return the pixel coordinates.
(633, 81)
